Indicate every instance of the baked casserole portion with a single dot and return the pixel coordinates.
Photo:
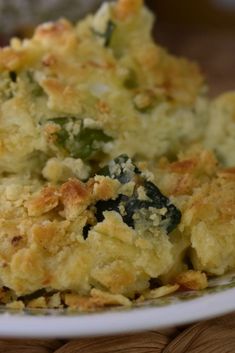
(83, 94)
(106, 196)
(117, 237)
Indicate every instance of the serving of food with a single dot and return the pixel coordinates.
(117, 179)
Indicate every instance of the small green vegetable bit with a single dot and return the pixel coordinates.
(36, 89)
(131, 80)
(107, 35)
(87, 140)
(84, 144)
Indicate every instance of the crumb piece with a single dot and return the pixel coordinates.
(194, 280)
(13, 192)
(16, 305)
(97, 299)
(101, 298)
(54, 301)
(37, 303)
(59, 170)
(46, 201)
(126, 8)
(105, 188)
(75, 196)
(76, 301)
(160, 292)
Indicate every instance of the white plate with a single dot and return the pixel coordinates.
(182, 308)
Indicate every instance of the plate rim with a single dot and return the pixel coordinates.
(117, 322)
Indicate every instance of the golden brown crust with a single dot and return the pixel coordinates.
(97, 299)
(227, 173)
(186, 174)
(47, 240)
(159, 292)
(126, 8)
(205, 193)
(46, 201)
(105, 188)
(192, 280)
(75, 196)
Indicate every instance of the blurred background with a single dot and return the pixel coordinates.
(203, 30)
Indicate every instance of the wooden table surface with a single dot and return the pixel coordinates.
(213, 49)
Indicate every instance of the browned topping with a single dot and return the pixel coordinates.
(103, 107)
(192, 280)
(49, 60)
(53, 29)
(58, 88)
(50, 237)
(97, 299)
(46, 201)
(228, 173)
(126, 8)
(105, 188)
(187, 165)
(74, 192)
(184, 185)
